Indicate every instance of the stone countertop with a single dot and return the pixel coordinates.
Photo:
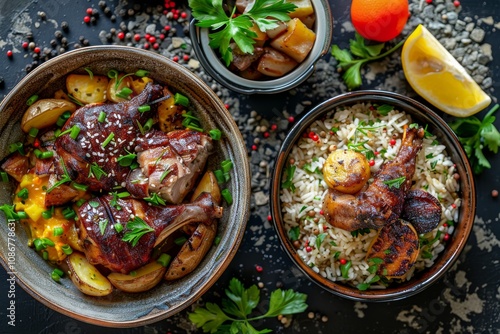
(465, 300)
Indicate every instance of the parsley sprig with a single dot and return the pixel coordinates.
(351, 61)
(395, 183)
(136, 228)
(476, 135)
(212, 318)
(211, 14)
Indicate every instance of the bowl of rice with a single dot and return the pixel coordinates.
(373, 123)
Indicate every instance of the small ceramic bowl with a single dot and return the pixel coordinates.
(217, 69)
(126, 309)
(453, 247)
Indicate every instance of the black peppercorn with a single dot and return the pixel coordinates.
(58, 34)
(64, 25)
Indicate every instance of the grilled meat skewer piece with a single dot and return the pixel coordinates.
(380, 203)
(105, 246)
(99, 144)
(170, 164)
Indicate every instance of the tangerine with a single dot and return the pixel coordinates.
(379, 20)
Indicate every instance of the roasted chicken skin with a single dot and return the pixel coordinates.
(105, 246)
(99, 144)
(381, 202)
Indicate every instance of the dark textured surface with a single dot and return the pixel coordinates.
(466, 300)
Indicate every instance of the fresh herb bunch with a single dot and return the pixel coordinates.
(211, 14)
(364, 53)
(240, 304)
(476, 135)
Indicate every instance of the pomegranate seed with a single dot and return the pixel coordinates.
(274, 127)
(89, 11)
(446, 237)
(343, 261)
(392, 142)
(259, 268)
(315, 138)
(185, 57)
(371, 162)
(121, 35)
(305, 135)
(456, 3)
(86, 19)
(156, 46)
(165, 12)
(175, 58)
(25, 45)
(10, 53)
(137, 37)
(37, 50)
(308, 249)
(291, 119)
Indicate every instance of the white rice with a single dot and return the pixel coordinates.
(434, 173)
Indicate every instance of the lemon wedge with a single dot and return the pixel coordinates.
(438, 77)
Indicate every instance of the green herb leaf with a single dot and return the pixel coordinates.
(294, 233)
(136, 228)
(395, 183)
(319, 240)
(102, 225)
(385, 109)
(288, 184)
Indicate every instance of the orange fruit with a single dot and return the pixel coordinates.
(379, 20)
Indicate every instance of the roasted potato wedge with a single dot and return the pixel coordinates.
(114, 89)
(192, 252)
(139, 84)
(261, 36)
(169, 114)
(144, 278)
(296, 42)
(422, 210)
(397, 245)
(304, 8)
(44, 113)
(346, 171)
(86, 89)
(86, 277)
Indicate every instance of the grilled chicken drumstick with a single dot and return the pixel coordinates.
(105, 246)
(381, 202)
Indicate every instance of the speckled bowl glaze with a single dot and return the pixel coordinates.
(124, 309)
(454, 246)
(213, 65)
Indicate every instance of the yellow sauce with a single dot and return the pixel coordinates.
(40, 227)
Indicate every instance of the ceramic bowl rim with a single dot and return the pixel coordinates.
(211, 63)
(415, 285)
(235, 147)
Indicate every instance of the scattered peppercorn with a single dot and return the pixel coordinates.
(494, 193)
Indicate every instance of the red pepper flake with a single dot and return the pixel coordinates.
(25, 45)
(343, 261)
(86, 19)
(37, 50)
(446, 237)
(137, 37)
(121, 35)
(308, 249)
(456, 3)
(259, 268)
(269, 218)
(185, 57)
(291, 119)
(175, 58)
(10, 53)
(392, 142)
(274, 127)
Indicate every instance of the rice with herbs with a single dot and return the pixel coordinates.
(337, 254)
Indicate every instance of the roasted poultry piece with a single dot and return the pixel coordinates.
(150, 224)
(382, 201)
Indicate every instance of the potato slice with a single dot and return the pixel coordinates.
(192, 252)
(397, 245)
(208, 184)
(274, 63)
(296, 42)
(44, 113)
(261, 36)
(169, 114)
(86, 277)
(113, 89)
(144, 278)
(86, 89)
(304, 8)
(139, 84)
(346, 171)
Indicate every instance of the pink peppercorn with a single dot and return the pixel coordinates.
(456, 3)
(146, 46)
(89, 11)
(343, 261)
(392, 142)
(308, 249)
(137, 37)
(156, 46)
(175, 58)
(254, 147)
(25, 45)
(86, 19)
(37, 50)
(266, 134)
(152, 39)
(269, 218)
(259, 268)
(371, 162)
(121, 35)
(291, 119)
(185, 57)
(274, 127)
(446, 237)
(10, 53)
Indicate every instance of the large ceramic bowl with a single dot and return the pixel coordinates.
(454, 246)
(213, 65)
(122, 309)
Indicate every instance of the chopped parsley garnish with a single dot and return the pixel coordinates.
(96, 171)
(288, 184)
(294, 233)
(155, 199)
(395, 183)
(136, 228)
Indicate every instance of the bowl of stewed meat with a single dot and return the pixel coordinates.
(261, 46)
(372, 196)
(119, 189)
